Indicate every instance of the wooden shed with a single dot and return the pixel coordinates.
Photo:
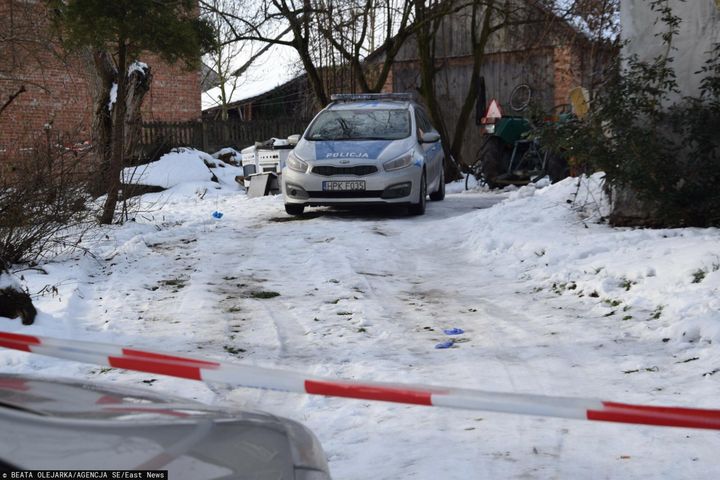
(549, 55)
(291, 99)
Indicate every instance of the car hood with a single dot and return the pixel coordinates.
(53, 424)
(351, 151)
(74, 400)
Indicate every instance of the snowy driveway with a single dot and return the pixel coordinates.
(365, 295)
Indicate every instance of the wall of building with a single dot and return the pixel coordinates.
(174, 95)
(502, 72)
(698, 32)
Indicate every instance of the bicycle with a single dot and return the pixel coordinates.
(509, 156)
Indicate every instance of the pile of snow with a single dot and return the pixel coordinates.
(7, 280)
(182, 166)
(550, 238)
(228, 154)
(113, 95)
(138, 66)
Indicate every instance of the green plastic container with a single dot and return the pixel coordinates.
(511, 129)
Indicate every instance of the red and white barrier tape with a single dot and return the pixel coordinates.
(273, 379)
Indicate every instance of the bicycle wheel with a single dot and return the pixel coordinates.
(494, 161)
(476, 168)
(520, 97)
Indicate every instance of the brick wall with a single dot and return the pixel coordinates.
(175, 93)
(564, 77)
(58, 87)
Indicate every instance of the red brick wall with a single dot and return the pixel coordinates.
(572, 69)
(58, 91)
(565, 79)
(174, 94)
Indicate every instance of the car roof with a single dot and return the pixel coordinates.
(370, 104)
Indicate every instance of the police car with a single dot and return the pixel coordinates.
(366, 149)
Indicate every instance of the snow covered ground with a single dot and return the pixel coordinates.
(551, 302)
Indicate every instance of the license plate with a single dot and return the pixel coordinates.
(344, 186)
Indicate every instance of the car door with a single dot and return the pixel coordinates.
(433, 151)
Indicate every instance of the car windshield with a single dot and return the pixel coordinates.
(361, 125)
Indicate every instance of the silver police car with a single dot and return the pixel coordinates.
(366, 149)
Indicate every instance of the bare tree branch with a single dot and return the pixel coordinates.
(12, 98)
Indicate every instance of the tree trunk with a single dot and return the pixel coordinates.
(138, 85)
(301, 31)
(118, 136)
(316, 82)
(426, 54)
(479, 42)
(299, 25)
(104, 77)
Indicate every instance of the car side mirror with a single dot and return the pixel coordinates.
(293, 139)
(429, 137)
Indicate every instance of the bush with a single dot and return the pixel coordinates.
(665, 155)
(43, 201)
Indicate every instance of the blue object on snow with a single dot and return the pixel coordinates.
(454, 331)
(447, 344)
(217, 214)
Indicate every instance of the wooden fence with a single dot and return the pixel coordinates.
(212, 135)
(172, 134)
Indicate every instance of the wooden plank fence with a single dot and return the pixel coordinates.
(212, 135)
(172, 134)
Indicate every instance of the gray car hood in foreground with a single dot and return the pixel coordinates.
(51, 424)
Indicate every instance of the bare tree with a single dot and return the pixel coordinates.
(332, 38)
(230, 58)
(43, 199)
(353, 28)
(486, 18)
(276, 17)
(599, 21)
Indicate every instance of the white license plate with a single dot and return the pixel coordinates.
(344, 186)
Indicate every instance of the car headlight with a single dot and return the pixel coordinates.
(398, 163)
(294, 163)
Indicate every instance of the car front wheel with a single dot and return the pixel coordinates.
(439, 194)
(419, 208)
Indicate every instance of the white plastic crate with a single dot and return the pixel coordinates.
(264, 157)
